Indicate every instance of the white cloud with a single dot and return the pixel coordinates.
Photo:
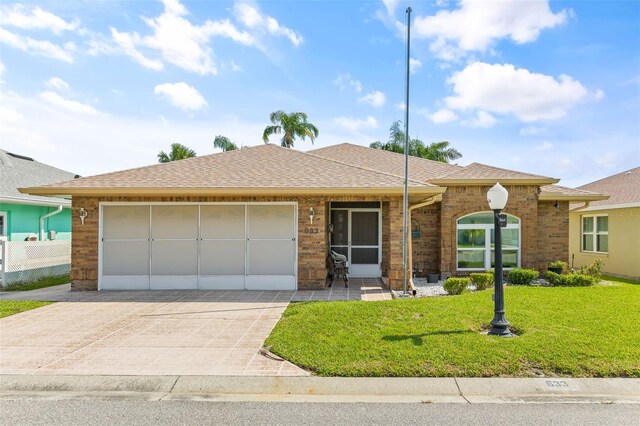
(442, 116)
(505, 89)
(18, 16)
(599, 94)
(251, 17)
(544, 146)
(414, 65)
(2, 71)
(345, 80)
(532, 131)
(57, 83)
(483, 120)
(174, 40)
(35, 47)
(67, 104)
(477, 25)
(355, 124)
(400, 106)
(391, 5)
(181, 95)
(376, 99)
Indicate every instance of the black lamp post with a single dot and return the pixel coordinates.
(497, 198)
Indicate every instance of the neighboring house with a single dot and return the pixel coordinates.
(24, 216)
(610, 229)
(265, 218)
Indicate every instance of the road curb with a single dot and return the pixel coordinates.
(326, 389)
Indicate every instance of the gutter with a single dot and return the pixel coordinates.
(42, 218)
(424, 203)
(586, 205)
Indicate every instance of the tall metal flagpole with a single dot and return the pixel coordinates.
(405, 207)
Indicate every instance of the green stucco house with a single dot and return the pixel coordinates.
(27, 217)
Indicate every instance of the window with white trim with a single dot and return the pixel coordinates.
(3, 224)
(475, 244)
(595, 234)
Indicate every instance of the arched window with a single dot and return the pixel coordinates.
(475, 243)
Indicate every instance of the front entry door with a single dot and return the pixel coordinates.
(356, 234)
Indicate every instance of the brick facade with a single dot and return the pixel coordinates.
(544, 232)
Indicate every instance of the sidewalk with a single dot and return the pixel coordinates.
(321, 389)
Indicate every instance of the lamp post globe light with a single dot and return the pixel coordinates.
(497, 198)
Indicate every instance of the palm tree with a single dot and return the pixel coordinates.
(437, 151)
(224, 143)
(178, 152)
(292, 125)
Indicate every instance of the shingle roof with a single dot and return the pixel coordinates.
(263, 167)
(17, 171)
(622, 188)
(484, 173)
(420, 169)
(557, 192)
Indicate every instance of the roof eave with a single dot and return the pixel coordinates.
(30, 202)
(111, 191)
(483, 182)
(550, 196)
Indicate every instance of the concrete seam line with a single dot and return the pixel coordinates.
(455, 379)
(174, 384)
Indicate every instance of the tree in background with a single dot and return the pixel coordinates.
(178, 152)
(437, 151)
(224, 143)
(292, 126)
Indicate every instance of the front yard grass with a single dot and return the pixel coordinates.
(577, 331)
(12, 307)
(46, 282)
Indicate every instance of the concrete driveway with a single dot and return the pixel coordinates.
(146, 333)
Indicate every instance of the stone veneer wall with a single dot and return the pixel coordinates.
(312, 248)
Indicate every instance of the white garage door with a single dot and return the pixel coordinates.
(198, 246)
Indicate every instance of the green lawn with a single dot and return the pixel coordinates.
(580, 331)
(47, 282)
(12, 307)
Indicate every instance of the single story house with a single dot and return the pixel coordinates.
(24, 216)
(265, 218)
(609, 230)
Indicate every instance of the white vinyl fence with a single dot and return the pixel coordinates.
(29, 261)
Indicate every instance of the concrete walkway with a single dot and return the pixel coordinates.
(320, 389)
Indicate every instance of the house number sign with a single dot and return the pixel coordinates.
(308, 230)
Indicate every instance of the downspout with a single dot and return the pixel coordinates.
(427, 202)
(586, 204)
(42, 218)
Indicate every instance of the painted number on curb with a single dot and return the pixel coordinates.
(557, 384)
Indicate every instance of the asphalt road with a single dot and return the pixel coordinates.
(141, 412)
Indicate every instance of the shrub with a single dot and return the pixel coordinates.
(594, 270)
(456, 285)
(522, 276)
(579, 280)
(553, 278)
(482, 280)
(559, 264)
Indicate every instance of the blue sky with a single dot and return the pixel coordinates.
(546, 87)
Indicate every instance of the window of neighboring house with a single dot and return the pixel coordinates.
(476, 245)
(595, 234)
(3, 224)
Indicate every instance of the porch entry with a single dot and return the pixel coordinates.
(357, 233)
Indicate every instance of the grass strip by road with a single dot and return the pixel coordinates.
(12, 307)
(579, 332)
(46, 282)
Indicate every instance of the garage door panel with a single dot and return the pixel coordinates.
(125, 222)
(174, 222)
(222, 257)
(270, 257)
(270, 221)
(174, 258)
(221, 282)
(221, 221)
(125, 258)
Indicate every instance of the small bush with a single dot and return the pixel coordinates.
(456, 285)
(482, 280)
(522, 276)
(594, 270)
(579, 280)
(553, 278)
